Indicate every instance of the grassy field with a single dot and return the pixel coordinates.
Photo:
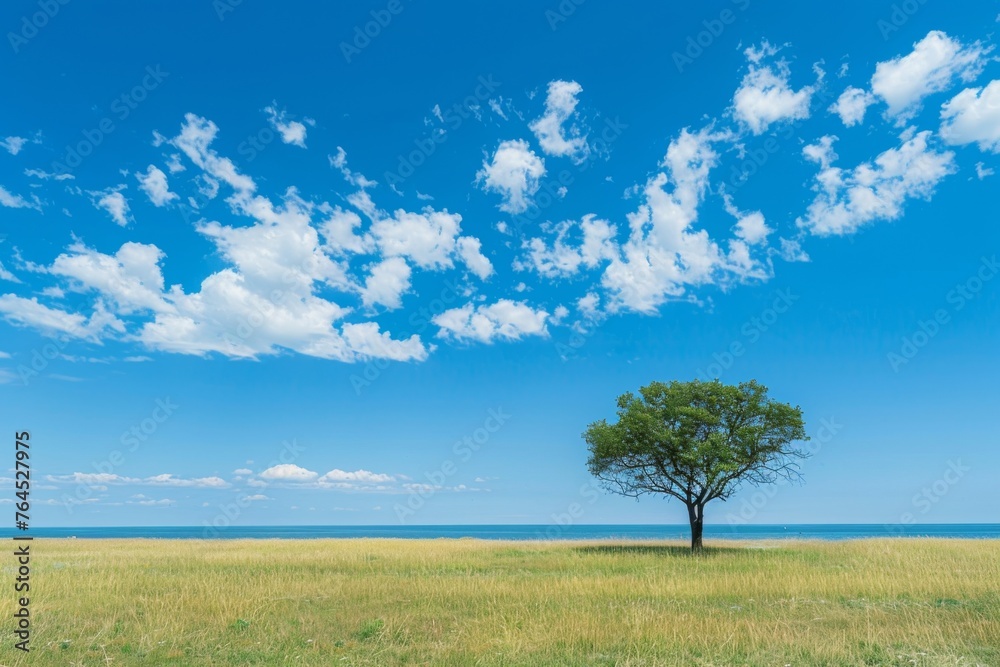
(467, 602)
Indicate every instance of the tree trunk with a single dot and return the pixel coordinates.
(696, 514)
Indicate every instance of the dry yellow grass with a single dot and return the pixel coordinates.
(468, 602)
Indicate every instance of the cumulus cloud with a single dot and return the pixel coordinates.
(503, 320)
(765, 95)
(288, 472)
(386, 283)
(131, 278)
(750, 227)
(114, 203)
(514, 172)
(560, 105)
(29, 312)
(291, 131)
(577, 245)
(664, 252)
(852, 105)
(973, 116)
(849, 199)
(469, 249)
(931, 67)
(154, 183)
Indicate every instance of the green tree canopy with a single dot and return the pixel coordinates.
(696, 441)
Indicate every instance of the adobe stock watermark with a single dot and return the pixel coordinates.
(929, 496)
(365, 33)
(548, 192)
(130, 440)
(750, 507)
(229, 512)
(697, 44)
(454, 117)
(463, 450)
(581, 333)
(574, 512)
(899, 15)
(223, 7)
(121, 108)
(41, 358)
(957, 298)
(561, 13)
(32, 23)
(750, 332)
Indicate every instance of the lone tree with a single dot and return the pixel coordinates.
(696, 441)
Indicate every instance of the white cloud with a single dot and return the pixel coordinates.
(755, 54)
(29, 312)
(166, 479)
(973, 116)
(257, 497)
(765, 96)
(357, 476)
(292, 132)
(596, 244)
(174, 164)
(267, 299)
(194, 140)
(427, 238)
(201, 482)
(387, 283)
(514, 172)
(846, 200)
(470, 250)
(821, 152)
(852, 104)
(560, 105)
(505, 319)
(338, 230)
(154, 183)
(982, 171)
(164, 502)
(44, 175)
(114, 202)
(357, 480)
(931, 67)
(286, 472)
(13, 145)
(664, 252)
(17, 201)
(243, 471)
(497, 109)
(339, 161)
(750, 227)
(131, 278)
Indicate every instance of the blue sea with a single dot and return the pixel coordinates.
(531, 532)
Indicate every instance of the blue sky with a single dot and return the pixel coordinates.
(260, 267)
